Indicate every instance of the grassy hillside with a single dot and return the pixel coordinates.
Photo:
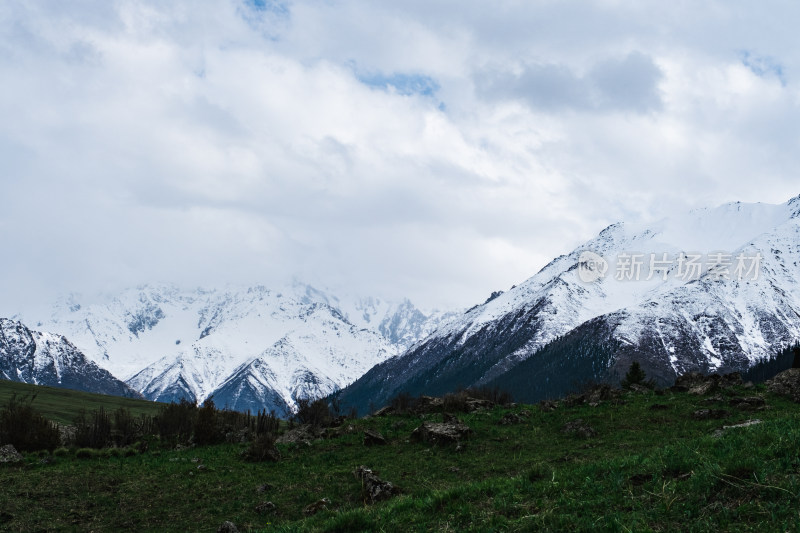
(63, 405)
(652, 464)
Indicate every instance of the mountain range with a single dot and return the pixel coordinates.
(247, 347)
(712, 290)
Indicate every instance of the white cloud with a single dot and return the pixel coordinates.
(435, 150)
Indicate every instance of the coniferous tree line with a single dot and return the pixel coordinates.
(788, 357)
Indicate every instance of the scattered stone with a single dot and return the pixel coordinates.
(9, 454)
(373, 438)
(787, 384)
(317, 506)
(707, 414)
(510, 419)
(752, 403)
(383, 411)
(450, 419)
(428, 404)
(374, 487)
(748, 385)
(577, 427)
(227, 527)
(264, 488)
(195, 459)
(303, 434)
(714, 399)
(475, 404)
(639, 389)
(547, 406)
(704, 388)
(720, 432)
(202, 467)
(397, 425)
(699, 384)
(265, 507)
(441, 433)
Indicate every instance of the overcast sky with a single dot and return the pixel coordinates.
(432, 149)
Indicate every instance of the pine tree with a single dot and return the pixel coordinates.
(635, 376)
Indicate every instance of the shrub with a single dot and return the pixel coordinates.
(261, 449)
(25, 428)
(61, 452)
(86, 453)
(455, 402)
(206, 430)
(127, 428)
(266, 424)
(314, 412)
(93, 431)
(493, 394)
(175, 421)
(403, 402)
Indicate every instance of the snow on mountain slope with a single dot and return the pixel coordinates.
(171, 344)
(342, 350)
(47, 359)
(678, 321)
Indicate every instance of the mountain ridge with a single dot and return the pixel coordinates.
(672, 325)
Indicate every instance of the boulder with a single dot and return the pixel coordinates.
(9, 454)
(751, 403)
(227, 527)
(317, 506)
(374, 488)
(264, 488)
(428, 404)
(383, 411)
(547, 406)
(304, 434)
(787, 384)
(475, 404)
(265, 507)
(441, 433)
(373, 438)
(510, 419)
(706, 414)
(699, 384)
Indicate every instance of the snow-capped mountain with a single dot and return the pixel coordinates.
(47, 359)
(248, 347)
(632, 292)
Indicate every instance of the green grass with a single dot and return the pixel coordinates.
(646, 470)
(63, 405)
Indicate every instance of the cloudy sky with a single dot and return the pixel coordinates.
(432, 149)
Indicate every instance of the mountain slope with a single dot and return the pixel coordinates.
(671, 321)
(46, 359)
